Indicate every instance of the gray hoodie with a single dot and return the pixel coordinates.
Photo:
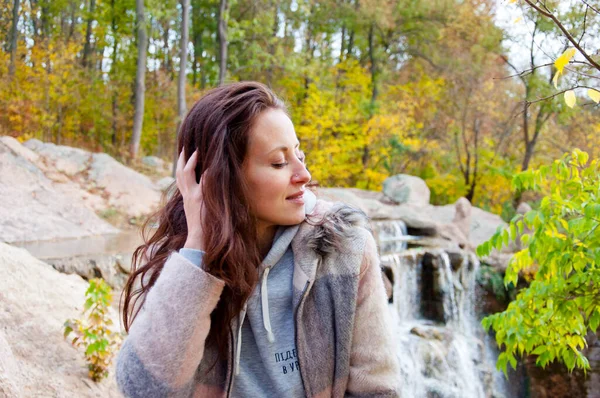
(266, 362)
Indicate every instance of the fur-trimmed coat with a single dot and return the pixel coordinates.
(343, 332)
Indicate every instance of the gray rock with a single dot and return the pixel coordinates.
(154, 161)
(36, 208)
(9, 371)
(113, 268)
(35, 301)
(127, 190)
(165, 183)
(403, 188)
(523, 208)
(67, 160)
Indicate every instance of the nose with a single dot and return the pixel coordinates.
(301, 176)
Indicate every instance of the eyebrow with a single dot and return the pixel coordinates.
(283, 148)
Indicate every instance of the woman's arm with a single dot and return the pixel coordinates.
(374, 369)
(166, 341)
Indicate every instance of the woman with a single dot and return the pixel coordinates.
(250, 287)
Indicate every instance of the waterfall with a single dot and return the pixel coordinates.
(440, 345)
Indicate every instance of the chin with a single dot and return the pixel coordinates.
(293, 219)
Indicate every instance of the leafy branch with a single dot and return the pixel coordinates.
(552, 316)
(94, 333)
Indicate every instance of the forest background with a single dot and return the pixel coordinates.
(431, 88)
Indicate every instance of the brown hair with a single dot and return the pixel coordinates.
(218, 126)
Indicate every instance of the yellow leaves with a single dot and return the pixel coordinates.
(555, 79)
(564, 59)
(512, 1)
(570, 98)
(560, 64)
(594, 95)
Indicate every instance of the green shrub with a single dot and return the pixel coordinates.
(551, 317)
(94, 333)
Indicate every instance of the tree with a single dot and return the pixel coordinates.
(181, 106)
(572, 25)
(222, 37)
(551, 317)
(140, 87)
(87, 48)
(13, 37)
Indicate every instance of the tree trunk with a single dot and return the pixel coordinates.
(87, 48)
(374, 89)
(140, 75)
(342, 43)
(168, 66)
(13, 39)
(72, 23)
(113, 69)
(222, 37)
(181, 105)
(197, 31)
(272, 44)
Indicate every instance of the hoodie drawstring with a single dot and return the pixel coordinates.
(238, 350)
(264, 293)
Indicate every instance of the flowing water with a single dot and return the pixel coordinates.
(442, 349)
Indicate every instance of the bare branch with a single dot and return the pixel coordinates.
(548, 14)
(524, 72)
(584, 24)
(582, 74)
(591, 7)
(556, 94)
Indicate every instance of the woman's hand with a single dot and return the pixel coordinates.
(191, 191)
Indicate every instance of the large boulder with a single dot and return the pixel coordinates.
(456, 225)
(36, 208)
(404, 188)
(9, 371)
(67, 160)
(122, 188)
(127, 190)
(35, 301)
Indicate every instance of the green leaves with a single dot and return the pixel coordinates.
(550, 318)
(94, 333)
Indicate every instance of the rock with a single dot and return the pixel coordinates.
(459, 225)
(431, 333)
(127, 190)
(388, 286)
(523, 208)
(113, 268)
(154, 161)
(9, 371)
(35, 301)
(67, 160)
(403, 188)
(413, 216)
(165, 183)
(108, 183)
(33, 208)
(462, 216)
(482, 226)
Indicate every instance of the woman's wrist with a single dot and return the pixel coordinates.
(193, 242)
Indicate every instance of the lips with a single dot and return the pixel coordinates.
(296, 195)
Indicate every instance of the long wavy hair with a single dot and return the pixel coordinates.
(218, 126)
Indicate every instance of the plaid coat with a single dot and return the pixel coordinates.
(343, 333)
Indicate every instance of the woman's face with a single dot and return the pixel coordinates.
(274, 170)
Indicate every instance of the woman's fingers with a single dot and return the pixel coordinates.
(189, 171)
(186, 172)
(179, 168)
